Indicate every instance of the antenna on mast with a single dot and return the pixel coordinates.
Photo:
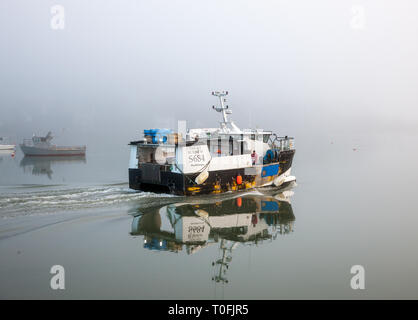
(224, 109)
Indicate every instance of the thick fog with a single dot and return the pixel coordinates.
(99, 72)
(341, 76)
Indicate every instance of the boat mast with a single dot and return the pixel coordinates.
(225, 111)
(223, 263)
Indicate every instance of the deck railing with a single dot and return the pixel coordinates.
(283, 143)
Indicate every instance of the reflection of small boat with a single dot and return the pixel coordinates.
(41, 146)
(4, 146)
(42, 165)
(6, 154)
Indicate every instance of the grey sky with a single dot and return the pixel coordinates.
(292, 66)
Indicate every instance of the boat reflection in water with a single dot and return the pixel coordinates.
(43, 165)
(250, 219)
(4, 154)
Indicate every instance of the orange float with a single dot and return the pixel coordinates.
(239, 202)
(239, 179)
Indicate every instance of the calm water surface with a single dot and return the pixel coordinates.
(354, 203)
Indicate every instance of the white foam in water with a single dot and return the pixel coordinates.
(36, 201)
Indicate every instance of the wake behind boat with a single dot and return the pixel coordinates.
(210, 160)
(41, 146)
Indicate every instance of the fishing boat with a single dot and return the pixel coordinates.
(210, 160)
(41, 146)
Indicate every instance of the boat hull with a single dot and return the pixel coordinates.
(57, 151)
(151, 178)
(7, 146)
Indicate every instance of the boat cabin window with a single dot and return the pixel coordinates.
(266, 137)
(228, 145)
(225, 147)
(213, 146)
(235, 145)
